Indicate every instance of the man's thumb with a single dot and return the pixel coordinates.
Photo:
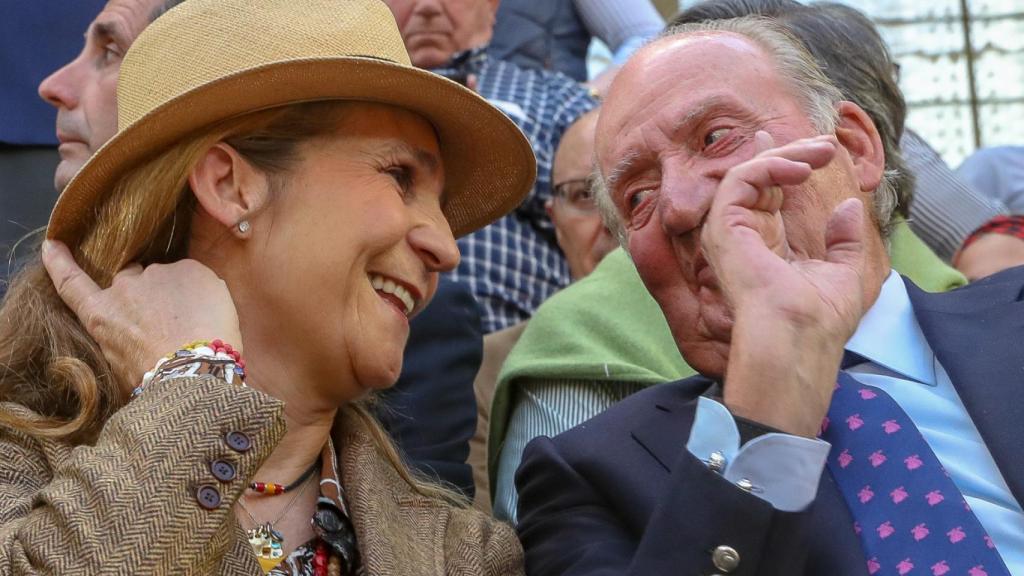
(844, 235)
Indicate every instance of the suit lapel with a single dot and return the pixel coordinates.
(664, 433)
(977, 334)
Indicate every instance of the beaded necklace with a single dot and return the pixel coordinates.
(272, 489)
(266, 541)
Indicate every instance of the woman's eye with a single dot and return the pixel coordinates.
(402, 175)
(715, 136)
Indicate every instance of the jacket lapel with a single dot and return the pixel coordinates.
(397, 530)
(665, 431)
(977, 334)
(239, 558)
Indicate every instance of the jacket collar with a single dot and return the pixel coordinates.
(976, 334)
(393, 522)
(667, 429)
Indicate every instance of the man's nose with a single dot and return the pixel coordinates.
(684, 202)
(61, 88)
(428, 8)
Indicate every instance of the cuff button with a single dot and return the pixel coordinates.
(238, 441)
(725, 558)
(208, 497)
(716, 462)
(223, 470)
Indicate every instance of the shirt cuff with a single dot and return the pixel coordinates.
(779, 468)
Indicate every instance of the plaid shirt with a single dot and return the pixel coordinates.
(514, 264)
(1007, 225)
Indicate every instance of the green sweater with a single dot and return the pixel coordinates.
(607, 327)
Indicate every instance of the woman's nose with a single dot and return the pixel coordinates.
(435, 245)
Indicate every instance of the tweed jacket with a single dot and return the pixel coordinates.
(153, 496)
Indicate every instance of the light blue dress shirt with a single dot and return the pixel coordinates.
(785, 469)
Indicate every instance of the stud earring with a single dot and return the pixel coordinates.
(244, 226)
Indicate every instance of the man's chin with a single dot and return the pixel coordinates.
(708, 357)
(430, 56)
(65, 171)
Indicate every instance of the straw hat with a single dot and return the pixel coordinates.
(209, 60)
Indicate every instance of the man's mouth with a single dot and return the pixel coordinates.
(703, 274)
(69, 137)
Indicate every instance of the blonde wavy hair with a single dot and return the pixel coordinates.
(52, 366)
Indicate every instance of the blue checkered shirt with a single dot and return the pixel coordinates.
(514, 264)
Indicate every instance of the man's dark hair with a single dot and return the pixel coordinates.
(849, 51)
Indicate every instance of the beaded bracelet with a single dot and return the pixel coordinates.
(198, 358)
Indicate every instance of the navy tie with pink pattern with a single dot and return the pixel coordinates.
(909, 515)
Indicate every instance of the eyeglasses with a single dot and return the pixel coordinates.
(577, 195)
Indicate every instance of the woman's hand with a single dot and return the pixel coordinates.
(146, 313)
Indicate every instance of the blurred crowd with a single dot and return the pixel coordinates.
(714, 310)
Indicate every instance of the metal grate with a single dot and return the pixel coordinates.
(961, 69)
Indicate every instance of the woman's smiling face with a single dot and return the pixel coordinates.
(350, 247)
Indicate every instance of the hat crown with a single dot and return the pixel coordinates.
(202, 41)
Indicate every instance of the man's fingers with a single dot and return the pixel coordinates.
(755, 185)
(764, 145)
(73, 285)
(786, 166)
(763, 142)
(844, 234)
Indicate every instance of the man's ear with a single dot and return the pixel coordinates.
(857, 133)
(227, 186)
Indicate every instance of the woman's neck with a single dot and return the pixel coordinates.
(309, 418)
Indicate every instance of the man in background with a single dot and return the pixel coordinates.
(35, 37)
(514, 264)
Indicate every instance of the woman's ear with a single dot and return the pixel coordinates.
(228, 187)
(857, 133)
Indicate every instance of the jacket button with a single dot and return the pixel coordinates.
(208, 497)
(238, 441)
(223, 470)
(725, 558)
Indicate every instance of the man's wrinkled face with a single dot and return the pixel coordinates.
(84, 91)
(435, 30)
(679, 116)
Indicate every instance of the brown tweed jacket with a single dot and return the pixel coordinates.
(144, 498)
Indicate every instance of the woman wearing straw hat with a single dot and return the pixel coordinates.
(284, 178)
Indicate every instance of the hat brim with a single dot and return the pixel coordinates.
(489, 164)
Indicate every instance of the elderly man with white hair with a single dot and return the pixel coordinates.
(845, 422)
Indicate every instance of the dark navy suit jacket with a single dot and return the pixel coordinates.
(431, 410)
(620, 494)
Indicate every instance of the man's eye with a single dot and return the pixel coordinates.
(580, 196)
(111, 53)
(635, 200)
(715, 136)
